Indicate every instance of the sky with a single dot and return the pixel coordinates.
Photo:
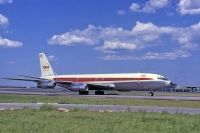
(101, 36)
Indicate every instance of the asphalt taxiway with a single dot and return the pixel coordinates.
(102, 108)
(35, 91)
(93, 107)
(64, 92)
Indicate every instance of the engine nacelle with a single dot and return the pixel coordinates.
(78, 87)
(46, 84)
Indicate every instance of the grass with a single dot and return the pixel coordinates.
(47, 107)
(83, 100)
(43, 121)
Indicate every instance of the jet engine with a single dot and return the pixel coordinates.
(46, 84)
(78, 87)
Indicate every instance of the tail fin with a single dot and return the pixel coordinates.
(46, 69)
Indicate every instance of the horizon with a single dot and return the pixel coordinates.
(79, 37)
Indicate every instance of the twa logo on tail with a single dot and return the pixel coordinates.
(45, 67)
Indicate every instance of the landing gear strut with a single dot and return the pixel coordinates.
(151, 93)
(99, 92)
(81, 92)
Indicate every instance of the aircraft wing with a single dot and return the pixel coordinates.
(27, 78)
(23, 79)
(102, 85)
(31, 77)
(92, 86)
(65, 84)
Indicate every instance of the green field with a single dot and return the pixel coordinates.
(76, 121)
(84, 100)
(48, 120)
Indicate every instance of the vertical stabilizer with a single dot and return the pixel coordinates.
(46, 69)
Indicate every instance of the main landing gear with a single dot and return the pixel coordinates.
(99, 92)
(81, 92)
(151, 93)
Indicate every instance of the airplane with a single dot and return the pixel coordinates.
(99, 82)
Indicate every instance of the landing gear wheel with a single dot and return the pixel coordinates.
(99, 92)
(151, 93)
(83, 92)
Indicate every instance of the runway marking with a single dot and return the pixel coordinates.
(103, 108)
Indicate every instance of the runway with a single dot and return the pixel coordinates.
(35, 91)
(63, 92)
(99, 108)
(102, 108)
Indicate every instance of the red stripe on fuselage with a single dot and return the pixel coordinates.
(99, 79)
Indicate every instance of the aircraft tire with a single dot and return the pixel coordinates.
(151, 94)
(83, 92)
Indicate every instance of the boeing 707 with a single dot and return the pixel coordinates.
(98, 82)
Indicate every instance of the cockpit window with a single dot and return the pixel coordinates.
(162, 78)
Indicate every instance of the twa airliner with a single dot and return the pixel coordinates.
(98, 82)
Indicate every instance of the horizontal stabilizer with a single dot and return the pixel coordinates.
(22, 79)
(32, 77)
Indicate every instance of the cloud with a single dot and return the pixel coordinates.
(149, 56)
(92, 35)
(116, 44)
(6, 1)
(166, 55)
(134, 7)
(184, 7)
(68, 39)
(52, 58)
(3, 20)
(150, 6)
(74, 37)
(189, 7)
(121, 12)
(4, 42)
(174, 42)
(12, 62)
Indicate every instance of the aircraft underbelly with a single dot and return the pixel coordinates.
(138, 86)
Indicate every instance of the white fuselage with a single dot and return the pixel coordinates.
(121, 82)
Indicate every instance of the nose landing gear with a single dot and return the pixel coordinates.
(151, 93)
